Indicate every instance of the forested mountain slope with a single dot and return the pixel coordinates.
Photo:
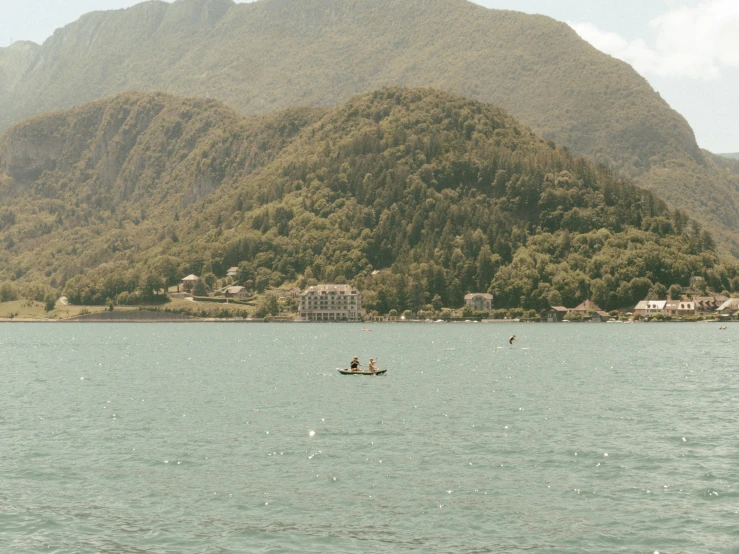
(451, 194)
(272, 54)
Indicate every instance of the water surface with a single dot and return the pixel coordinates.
(243, 438)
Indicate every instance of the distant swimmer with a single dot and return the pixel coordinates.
(512, 340)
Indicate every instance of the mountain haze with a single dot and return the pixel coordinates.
(14, 62)
(273, 54)
(450, 194)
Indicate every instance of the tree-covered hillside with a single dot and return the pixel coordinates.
(272, 54)
(446, 194)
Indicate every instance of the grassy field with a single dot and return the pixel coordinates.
(29, 310)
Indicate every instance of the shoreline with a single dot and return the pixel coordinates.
(189, 320)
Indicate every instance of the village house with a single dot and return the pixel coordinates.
(479, 301)
(707, 304)
(729, 307)
(232, 271)
(586, 308)
(600, 317)
(236, 292)
(679, 308)
(331, 303)
(648, 308)
(704, 304)
(295, 292)
(189, 282)
(554, 314)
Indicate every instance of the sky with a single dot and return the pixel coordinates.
(688, 50)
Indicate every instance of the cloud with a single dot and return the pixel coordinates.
(696, 42)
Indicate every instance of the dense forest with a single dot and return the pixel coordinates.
(415, 196)
(273, 54)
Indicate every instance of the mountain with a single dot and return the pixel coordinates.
(450, 194)
(14, 62)
(732, 156)
(272, 54)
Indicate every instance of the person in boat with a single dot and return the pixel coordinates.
(354, 365)
(372, 366)
(512, 340)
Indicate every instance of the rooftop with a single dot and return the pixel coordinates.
(651, 305)
(234, 290)
(587, 306)
(331, 289)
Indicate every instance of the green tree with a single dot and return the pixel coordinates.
(599, 293)
(486, 265)
(640, 287)
(8, 292)
(50, 301)
(267, 305)
(555, 298)
(676, 292)
(210, 280)
(151, 286)
(169, 268)
(657, 292)
(200, 288)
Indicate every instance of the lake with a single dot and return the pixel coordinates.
(213, 438)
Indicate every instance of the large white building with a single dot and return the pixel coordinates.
(479, 301)
(331, 303)
(648, 308)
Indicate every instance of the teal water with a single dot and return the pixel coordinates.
(222, 438)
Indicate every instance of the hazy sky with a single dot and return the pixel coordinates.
(687, 49)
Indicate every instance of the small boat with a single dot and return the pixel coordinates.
(350, 372)
(366, 329)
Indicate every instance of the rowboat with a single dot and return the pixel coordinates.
(350, 372)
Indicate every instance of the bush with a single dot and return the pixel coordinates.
(500, 314)
(515, 313)
(573, 316)
(446, 314)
